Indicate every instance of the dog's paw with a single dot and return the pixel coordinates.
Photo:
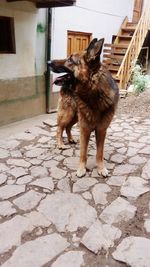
(72, 141)
(103, 172)
(62, 147)
(81, 172)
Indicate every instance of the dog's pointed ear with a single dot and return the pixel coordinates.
(99, 46)
(95, 48)
(91, 45)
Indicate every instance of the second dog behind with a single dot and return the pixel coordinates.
(67, 110)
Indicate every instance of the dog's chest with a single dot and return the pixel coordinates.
(86, 113)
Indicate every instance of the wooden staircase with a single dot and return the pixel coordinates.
(120, 56)
(113, 54)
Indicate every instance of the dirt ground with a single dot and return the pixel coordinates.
(135, 105)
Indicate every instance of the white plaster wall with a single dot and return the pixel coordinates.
(41, 43)
(146, 2)
(102, 18)
(22, 64)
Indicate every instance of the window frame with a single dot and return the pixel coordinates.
(10, 35)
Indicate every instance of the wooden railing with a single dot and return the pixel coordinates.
(130, 58)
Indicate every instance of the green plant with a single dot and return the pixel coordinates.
(41, 28)
(139, 79)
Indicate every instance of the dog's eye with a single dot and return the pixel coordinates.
(70, 60)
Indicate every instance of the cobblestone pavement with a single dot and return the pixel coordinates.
(49, 217)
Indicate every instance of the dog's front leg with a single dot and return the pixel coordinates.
(59, 137)
(100, 140)
(84, 140)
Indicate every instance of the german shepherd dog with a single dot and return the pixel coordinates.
(96, 95)
(67, 107)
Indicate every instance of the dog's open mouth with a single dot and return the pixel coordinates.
(67, 78)
(63, 79)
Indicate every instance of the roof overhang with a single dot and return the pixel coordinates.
(48, 3)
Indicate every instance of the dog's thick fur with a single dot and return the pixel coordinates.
(67, 106)
(96, 96)
(66, 115)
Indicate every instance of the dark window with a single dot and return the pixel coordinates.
(7, 36)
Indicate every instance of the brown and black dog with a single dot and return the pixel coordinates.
(96, 96)
(67, 108)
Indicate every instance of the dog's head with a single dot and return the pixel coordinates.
(58, 66)
(77, 67)
(86, 62)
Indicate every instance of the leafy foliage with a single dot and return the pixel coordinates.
(41, 28)
(139, 79)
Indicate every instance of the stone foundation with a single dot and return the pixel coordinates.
(21, 98)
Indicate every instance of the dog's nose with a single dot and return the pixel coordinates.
(49, 62)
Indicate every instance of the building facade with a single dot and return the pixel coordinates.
(24, 91)
(22, 85)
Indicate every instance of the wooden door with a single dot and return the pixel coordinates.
(137, 10)
(77, 41)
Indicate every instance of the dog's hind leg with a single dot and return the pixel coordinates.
(65, 122)
(84, 140)
(68, 130)
(100, 139)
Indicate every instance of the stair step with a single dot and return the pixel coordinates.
(107, 61)
(113, 68)
(114, 77)
(107, 50)
(131, 24)
(115, 51)
(124, 46)
(128, 29)
(112, 56)
(124, 36)
(114, 62)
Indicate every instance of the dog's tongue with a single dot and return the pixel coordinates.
(60, 79)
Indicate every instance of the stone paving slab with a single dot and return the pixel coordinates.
(50, 217)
